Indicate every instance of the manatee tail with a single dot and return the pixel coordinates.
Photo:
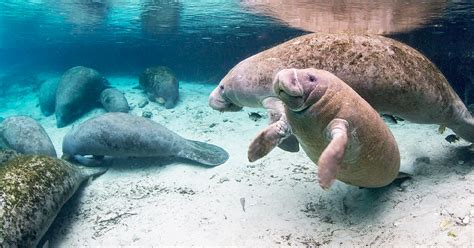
(88, 172)
(204, 153)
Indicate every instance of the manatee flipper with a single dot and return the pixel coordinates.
(276, 111)
(268, 139)
(91, 162)
(331, 158)
(204, 153)
(403, 176)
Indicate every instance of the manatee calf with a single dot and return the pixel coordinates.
(78, 91)
(32, 191)
(47, 97)
(25, 135)
(114, 100)
(393, 77)
(126, 135)
(337, 129)
(161, 85)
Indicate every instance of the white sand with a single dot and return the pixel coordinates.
(145, 203)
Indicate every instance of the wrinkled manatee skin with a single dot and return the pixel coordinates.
(25, 135)
(47, 97)
(78, 92)
(161, 85)
(127, 135)
(114, 100)
(32, 191)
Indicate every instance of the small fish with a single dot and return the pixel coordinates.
(452, 138)
(254, 116)
(389, 118)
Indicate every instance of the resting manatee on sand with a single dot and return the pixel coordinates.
(78, 91)
(127, 135)
(32, 191)
(25, 135)
(391, 76)
(337, 129)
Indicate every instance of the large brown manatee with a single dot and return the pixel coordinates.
(337, 129)
(393, 77)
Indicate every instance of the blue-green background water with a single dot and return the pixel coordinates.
(201, 40)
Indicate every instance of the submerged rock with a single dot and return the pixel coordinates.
(25, 135)
(114, 100)
(161, 85)
(78, 91)
(147, 114)
(32, 191)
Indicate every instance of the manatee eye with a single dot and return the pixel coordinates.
(221, 87)
(312, 78)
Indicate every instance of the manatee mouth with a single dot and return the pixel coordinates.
(223, 105)
(294, 103)
(227, 107)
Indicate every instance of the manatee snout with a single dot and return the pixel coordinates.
(289, 89)
(219, 102)
(300, 88)
(64, 119)
(61, 121)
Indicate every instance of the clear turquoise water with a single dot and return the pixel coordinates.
(201, 40)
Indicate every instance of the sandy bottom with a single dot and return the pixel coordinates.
(273, 202)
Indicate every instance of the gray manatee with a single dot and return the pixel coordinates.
(127, 135)
(32, 191)
(114, 100)
(78, 91)
(161, 85)
(25, 135)
(47, 97)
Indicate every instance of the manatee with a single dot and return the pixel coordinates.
(78, 91)
(114, 100)
(47, 97)
(337, 129)
(25, 135)
(127, 135)
(391, 76)
(33, 189)
(161, 85)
